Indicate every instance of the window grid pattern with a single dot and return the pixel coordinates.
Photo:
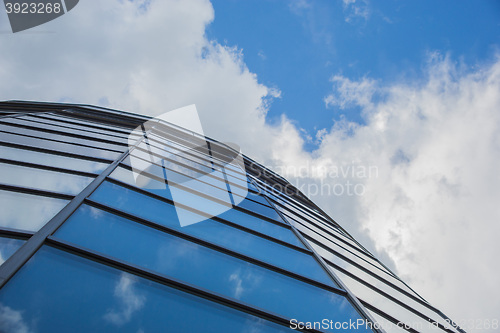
(93, 143)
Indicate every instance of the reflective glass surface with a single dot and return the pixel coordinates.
(8, 246)
(58, 146)
(328, 231)
(59, 161)
(26, 211)
(42, 179)
(361, 273)
(383, 287)
(78, 295)
(260, 209)
(262, 226)
(86, 122)
(385, 324)
(179, 172)
(76, 129)
(209, 206)
(59, 137)
(395, 310)
(338, 249)
(202, 266)
(218, 233)
(335, 237)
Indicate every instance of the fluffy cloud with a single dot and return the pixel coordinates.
(144, 56)
(429, 210)
(433, 204)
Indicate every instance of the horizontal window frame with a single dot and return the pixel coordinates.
(329, 233)
(65, 117)
(63, 142)
(215, 218)
(364, 269)
(48, 168)
(394, 299)
(15, 233)
(55, 152)
(61, 122)
(37, 192)
(214, 246)
(165, 280)
(203, 195)
(104, 137)
(68, 134)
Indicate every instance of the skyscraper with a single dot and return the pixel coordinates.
(109, 225)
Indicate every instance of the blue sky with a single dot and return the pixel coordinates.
(298, 46)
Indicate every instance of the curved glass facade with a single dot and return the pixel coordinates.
(107, 228)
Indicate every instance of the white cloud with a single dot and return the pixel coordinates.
(12, 320)
(349, 92)
(433, 207)
(356, 9)
(129, 301)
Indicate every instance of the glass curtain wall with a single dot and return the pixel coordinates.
(87, 244)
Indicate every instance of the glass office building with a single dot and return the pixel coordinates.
(90, 244)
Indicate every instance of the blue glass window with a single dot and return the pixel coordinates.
(209, 206)
(218, 233)
(61, 292)
(207, 268)
(260, 209)
(8, 246)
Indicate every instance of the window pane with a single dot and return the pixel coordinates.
(262, 226)
(155, 162)
(342, 251)
(395, 310)
(59, 161)
(202, 266)
(59, 146)
(86, 122)
(42, 179)
(359, 272)
(26, 211)
(60, 292)
(332, 236)
(212, 207)
(77, 129)
(60, 137)
(218, 233)
(260, 209)
(385, 324)
(8, 246)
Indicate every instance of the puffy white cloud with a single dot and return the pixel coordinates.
(356, 9)
(129, 301)
(12, 320)
(433, 206)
